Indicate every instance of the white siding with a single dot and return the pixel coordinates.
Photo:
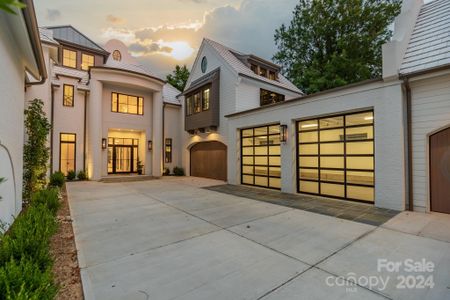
(387, 103)
(11, 124)
(430, 111)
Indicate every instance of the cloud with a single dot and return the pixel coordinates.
(140, 49)
(53, 14)
(115, 20)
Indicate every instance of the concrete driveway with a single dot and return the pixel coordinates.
(171, 239)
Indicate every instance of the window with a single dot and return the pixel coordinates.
(189, 106)
(127, 104)
(198, 101)
(197, 105)
(205, 99)
(117, 56)
(69, 58)
(68, 95)
(67, 160)
(168, 150)
(204, 64)
(268, 97)
(260, 156)
(272, 75)
(87, 61)
(336, 156)
(254, 68)
(262, 72)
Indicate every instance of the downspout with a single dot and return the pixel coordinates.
(410, 204)
(52, 113)
(163, 137)
(84, 132)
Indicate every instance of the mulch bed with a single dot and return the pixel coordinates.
(62, 247)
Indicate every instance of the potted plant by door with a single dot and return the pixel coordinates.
(140, 167)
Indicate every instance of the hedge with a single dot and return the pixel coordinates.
(25, 260)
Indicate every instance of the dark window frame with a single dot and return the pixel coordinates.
(168, 150)
(62, 57)
(65, 96)
(190, 101)
(74, 152)
(139, 98)
(263, 100)
(254, 165)
(344, 141)
(87, 54)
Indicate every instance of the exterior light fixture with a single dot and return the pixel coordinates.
(283, 133)
(150, 145)
(104, 144)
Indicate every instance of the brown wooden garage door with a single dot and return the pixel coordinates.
(440, 171)
(209, 159)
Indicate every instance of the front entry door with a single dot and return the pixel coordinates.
(440, 171)
(122, 155)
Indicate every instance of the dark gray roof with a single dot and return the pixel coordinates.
(429, 46)
(69, 34)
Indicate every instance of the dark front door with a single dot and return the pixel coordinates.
(209, 159)
(122, 155)
(440, 171)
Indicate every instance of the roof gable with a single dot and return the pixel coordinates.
(71, 35)
(429, 45)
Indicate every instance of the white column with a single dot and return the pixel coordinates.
(157, 134)
(94, 130)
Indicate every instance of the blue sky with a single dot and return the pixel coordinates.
(162, 33)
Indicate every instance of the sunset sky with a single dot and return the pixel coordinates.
(162, 33)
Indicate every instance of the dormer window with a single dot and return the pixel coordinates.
(262, 72)
(268, 97)
(117, 56)
(254, 68)
(272, 75)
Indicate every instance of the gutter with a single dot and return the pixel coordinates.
(163, 136)
(410, 204)
(29, 16)
(84, 132)
(51, 129)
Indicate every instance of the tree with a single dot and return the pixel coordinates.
(35, 151)
(330, 43)
(7, 5)
(179, 77)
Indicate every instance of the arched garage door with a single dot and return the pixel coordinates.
(440, 171)
(209, 159)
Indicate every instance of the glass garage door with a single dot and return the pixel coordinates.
(260, 160)
(336, 156)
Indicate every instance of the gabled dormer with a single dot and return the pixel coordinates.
(76, 50)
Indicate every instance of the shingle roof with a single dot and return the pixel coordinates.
(429, 46)
(46, 35)
(241, 68)
(170, 94)
(129, 67)
(69, 34)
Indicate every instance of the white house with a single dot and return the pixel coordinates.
(21, 57)
(108, 112)
(384, 141)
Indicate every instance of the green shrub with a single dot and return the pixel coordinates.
(71, 175)
(177, 171)
(57, 179)
(24, 279)
(82, 175)
(29, 237)
(49, 198)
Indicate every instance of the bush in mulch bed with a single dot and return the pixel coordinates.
(25, 260)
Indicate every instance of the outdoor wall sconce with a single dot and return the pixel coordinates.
(283, 133)
(149, 145)
(104, 144)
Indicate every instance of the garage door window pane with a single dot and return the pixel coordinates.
(274, 150)
(275, 171)
(332, 162)
(247, 179)
(247, 151)
(332, 122)
(310, 174)
(309, 187)
(332, 148)
(261, 170)
(247, 142)
(309, 161)
(337, 190)
(261, 181)
(332, 175)
(275, 182)
(360, 163)
(275, 129)
(331, 135)
(247, 169)
(247, 160)
(309, 149)
(261, 131)
(359, 133)
(308, 137)
(247, 132)
(360, 192)
(360, 177)
(261, 150)
(308, 125)
(358, 119)
(261, 160)
(360, 148)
